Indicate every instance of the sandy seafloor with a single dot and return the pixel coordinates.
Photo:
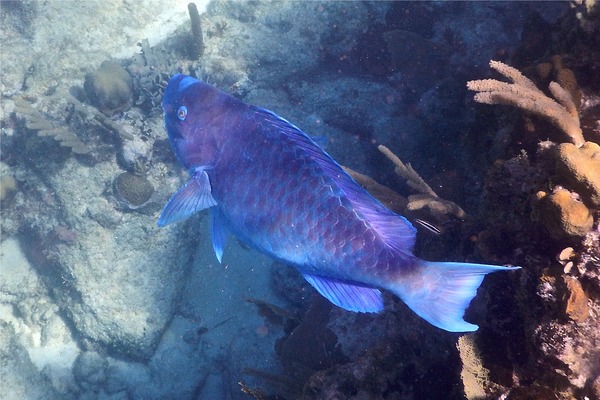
(96, 302)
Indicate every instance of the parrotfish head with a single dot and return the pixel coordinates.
(194, 116)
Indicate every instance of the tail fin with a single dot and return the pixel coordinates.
(442, 291)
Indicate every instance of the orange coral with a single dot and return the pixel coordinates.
(581, 167)
(564, 215)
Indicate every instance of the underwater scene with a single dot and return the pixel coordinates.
(299, 200)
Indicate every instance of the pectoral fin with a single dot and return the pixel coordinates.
(219, 232)
(347, 295)
(192, 197)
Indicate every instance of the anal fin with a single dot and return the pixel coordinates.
(346, 295)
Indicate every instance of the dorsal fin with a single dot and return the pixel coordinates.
(394, 229)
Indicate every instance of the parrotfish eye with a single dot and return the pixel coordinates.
(181, 113)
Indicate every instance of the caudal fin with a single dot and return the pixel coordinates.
(442, 291)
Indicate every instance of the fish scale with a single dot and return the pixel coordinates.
(266, 182)
(290, 211)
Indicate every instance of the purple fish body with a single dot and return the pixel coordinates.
(266, 182)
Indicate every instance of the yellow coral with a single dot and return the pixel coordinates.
(581, 167)
(475, 377)
(577, 307)
(562, 214)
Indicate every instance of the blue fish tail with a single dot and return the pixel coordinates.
(440, 292)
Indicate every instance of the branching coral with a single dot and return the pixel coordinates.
(151, 70)
(523, 93)
(94, 115)
(385, 195)
(427, 197)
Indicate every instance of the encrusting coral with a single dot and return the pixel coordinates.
(563, 214)
(576, 307)
(524, 94)
(581, 168)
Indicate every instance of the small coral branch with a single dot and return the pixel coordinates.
(408, 173)
(427, 197)
(523, 93)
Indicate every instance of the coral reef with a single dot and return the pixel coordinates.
(8, 184)
(94, 117)
(577, 308)
(110, 307)
(151, 70)
(109, 88)
(475, 377)
(557, 186)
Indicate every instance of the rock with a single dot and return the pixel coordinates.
(596, 387)
(118, 283)
(533, 392)
(90, 370)
(8, 186)
(562, 214)
(40, 347)
(581, 167)
(19, 376)
(109, 88)
(259, 27)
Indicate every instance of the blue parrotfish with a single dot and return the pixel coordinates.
(269, 184)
